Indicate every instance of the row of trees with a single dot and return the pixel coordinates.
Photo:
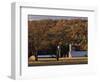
(43, 34)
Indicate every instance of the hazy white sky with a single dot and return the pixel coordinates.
(40, 17)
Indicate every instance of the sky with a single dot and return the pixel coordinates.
(41, 17)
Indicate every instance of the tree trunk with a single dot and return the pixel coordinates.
(36, 56)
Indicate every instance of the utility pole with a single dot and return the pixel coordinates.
(70, 49)
(58, 52)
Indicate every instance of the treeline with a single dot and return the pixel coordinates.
(45, 33)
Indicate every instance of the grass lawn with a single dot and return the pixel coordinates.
(62, 61)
